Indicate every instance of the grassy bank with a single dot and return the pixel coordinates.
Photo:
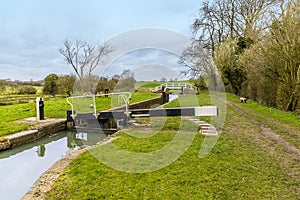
(243, 164)
(286, 124)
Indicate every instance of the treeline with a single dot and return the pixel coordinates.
(254, 45)
(67, 85)
(19, 87)
(54, 84)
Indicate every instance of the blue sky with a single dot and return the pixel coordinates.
(32, 31)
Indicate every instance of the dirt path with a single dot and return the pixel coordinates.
(239, 128)
(44, 184)
(267, 131)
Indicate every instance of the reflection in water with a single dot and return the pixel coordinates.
(87, 138)
(41, 150)
(173, 97)
(22, 166)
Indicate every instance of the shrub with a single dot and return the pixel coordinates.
(27, 89)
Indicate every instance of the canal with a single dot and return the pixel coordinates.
(22, 166)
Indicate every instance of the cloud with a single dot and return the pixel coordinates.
(147, 64)
(32, 31)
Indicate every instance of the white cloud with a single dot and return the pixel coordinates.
(33, 30)
(147, 64)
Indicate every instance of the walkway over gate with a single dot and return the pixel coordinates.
(175, 86)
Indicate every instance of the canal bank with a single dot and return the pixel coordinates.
(21, 166)
(33, 160)
(42, 128)
(39, 130)
(45, 182)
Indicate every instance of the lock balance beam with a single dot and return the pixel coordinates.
(172, 112)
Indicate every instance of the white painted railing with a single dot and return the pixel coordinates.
(123, 97)
(174, 86)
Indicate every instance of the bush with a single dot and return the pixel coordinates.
(27, 90)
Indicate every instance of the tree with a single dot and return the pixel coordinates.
(2, 86)
(223, 29)
(126, 81)
(200, 84)
(102, 85)
(105, 83)
(84, 57)
(219, 19)
(273, 64)
(198, 62)
(50, 85)
(65, 84)
(112, 83)
(226, 59)
(163, 79)
(27, 89)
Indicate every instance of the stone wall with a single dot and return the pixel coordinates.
(147, 104)
(4, 143)
(25, 137)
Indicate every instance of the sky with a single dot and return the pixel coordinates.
(32, 31)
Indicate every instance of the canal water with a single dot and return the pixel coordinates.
(173, 97)
(22, 166)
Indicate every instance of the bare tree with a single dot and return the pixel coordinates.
(222, 19)
(216, 20)
(84, 57)
(254, 15)
(199, 62)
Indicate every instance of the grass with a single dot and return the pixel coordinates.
(11, 113)
(286, 124)
(54, 108)
(147, 84)
(238, 167)
(203, 99)
(82, 105)
(143, 95)
(284, 117)
(243, 164)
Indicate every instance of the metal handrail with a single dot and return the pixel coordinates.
(125, 96)
(172, 85)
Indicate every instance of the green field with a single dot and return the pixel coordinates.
(244, 163)
(147, 84)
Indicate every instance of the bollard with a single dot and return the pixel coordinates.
(70, 120)
(165, 95)
(39, 108)
(106, 93)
